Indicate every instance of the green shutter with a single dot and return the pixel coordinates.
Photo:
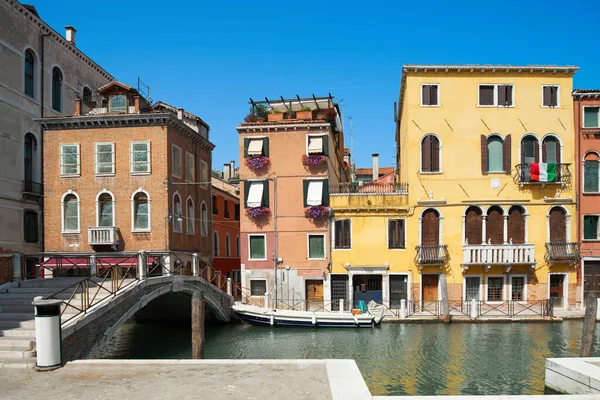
(590, 176)
(590, 227)
(266, 147)
(305, 191)
(325, 145)
(246, 144)
(325, 193)
(590, 117)
(246, 190)
(257, 247)
(265, 199)
(316, 246)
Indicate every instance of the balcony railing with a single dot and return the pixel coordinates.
(105, 110)
(561, 177)
(31, 188)
(432, 255)
(498, 254)
(562, 252)
(103, 236)
(368, 188)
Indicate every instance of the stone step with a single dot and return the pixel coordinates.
(28, 362)
(10, 316)
(19, 308)
(18, 332)
(30, 296)
(60, 283)
(43, 291)
(10, 324)
(16, 341)
(17, 352)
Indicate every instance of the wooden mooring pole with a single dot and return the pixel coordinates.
(589, 325)
(198, 326)
(444, 291)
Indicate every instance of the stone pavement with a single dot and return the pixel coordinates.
(189, 379)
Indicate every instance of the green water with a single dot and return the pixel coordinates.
(395, 359)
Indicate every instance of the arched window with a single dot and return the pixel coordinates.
(529, 155)
(191, 222)
(177, 225)
(204, 221)
(227, 245)
(216, 244)
(430, 154)
(30, 158)
(495, 153)
(558, 225)
(237, 246)
(516, 225)
(551, 150)
(29, 73)
(87, 97)
(105, 209)
(430, 228)
(591, 179)
(494, 226)
(141, 212)
(70, 212)
(57, 83)
(473, 225)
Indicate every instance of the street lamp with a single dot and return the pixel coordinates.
(168, 219)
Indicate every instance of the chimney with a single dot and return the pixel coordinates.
(375, 166)
(180, 113)
(232, 168)
(226, 172)
(77, 106)
(70, 35)
(136, 104)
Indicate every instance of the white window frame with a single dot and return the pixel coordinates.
(61, 155)
(258, 181)
(557, 96)
(133, 228)
(583, 239)
(510, 286)
(173, 172)
(308, 235)
(188, 218)
(387, 234)
(175, 216)
(487, 278)
(109, 104)
(193, 158)
(227, 245)
(96, 162)
(308, 191)
(495, 85)
(257, 279)
(565, 287)
(323, 138)
(203, 219)
(333, 235)
(250, 249)
(62, 213)
(487, 144)
(583, 117)
(464, 289)
(132, 170)
(114, 211)
(438, 95)
(204, 174)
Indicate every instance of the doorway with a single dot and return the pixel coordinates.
(367, 288)
(398, 289)
(314, 294)
(591, 278)
(430, 287)
(557, 290)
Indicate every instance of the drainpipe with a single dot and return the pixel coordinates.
(578, 172)
(275, 253)
(41, 201)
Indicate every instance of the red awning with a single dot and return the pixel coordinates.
(67, 262)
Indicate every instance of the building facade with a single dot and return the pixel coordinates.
(291, 160)
(125, 177)
(226, 228)
(42, 75)
(586, 106)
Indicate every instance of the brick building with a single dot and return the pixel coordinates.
(121, 177)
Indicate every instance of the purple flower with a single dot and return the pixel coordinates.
(316, 212)
(257, 162)
(313, 160)
(257, 211)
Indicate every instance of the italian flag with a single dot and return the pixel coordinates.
(542, 172)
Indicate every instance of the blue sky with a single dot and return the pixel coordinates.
(210, 57)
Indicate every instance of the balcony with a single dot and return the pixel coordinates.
(432, 255)
(103, 236)
(498, 254)
(562, 253)
(32, 190)
(353, 195)
(562, 176)
(358, 188)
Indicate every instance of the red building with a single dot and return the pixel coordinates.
(226, 228)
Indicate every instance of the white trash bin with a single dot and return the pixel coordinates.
(48, 335)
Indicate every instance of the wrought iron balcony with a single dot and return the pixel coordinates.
(103, 236)
(561, 177)
(562, 252)
(498, 254)
(32, 190)
(432, 255)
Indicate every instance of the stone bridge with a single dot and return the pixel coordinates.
(85, 334)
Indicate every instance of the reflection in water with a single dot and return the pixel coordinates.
(396, 359)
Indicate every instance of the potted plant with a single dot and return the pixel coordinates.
(256, 212)
(258, 113)
(275, 115)
(313, 160)
(257, 162)
(304, 113)
(316, 212)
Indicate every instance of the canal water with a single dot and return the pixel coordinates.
(395, 359)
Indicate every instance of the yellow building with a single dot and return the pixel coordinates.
(488, 155)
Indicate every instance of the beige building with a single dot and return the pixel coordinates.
(42, 74)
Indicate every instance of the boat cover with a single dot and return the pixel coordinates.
(376, 310)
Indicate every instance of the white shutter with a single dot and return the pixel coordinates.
(255, 147)
(255, 195)
(315, 193)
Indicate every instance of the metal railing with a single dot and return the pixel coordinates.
(32, 188)
(485, 309)
(432, 255)
(103, 235)
(494, 254)
(562, 176)
(105, 110)
(562, 252)
(368, 188)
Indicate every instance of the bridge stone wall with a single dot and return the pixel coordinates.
(85, 337)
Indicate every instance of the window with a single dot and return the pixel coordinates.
(191, 222)
(495, 288)
(558, 225)
(430, 154)
(317, 145)
(104, 158)
(141, 212)
(237, 212)
(105, 210)
(215, 208)
(204, 220)
(70, 211)
(550, 95)
(516, 225)
(227, 246)
(342, 233)
(256, 193)
(256, 147)
(430, 95)
(496, 95)
(590, 173)
(29, 73)
(117, 103)
(177, 226)
(258, 287)
(216, 249)
(517, 288)
(237, 246)
(176, 160)
(257, 246)
(190, 167)
(87, 97)
(316, 247)
(69, 159)
(472, 284)
(57, 82)
(226, 209)
(473, 225)
(590, 227)
(140, 157)
(494, 152)
(29, 157)
(396, 234)
(494, 228)
(316, 192)
(204, 180)
(30, 226)
(590, 117)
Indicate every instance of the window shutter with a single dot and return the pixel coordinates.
(554, 96)
(547, 90)
(391, 234)
(495, 226)
(484, 155)
(305, 192)
(266, 147)
(544, 145)
(435, 154)
(325, 193)
(434, 97)
(426, 95)
(430, 229)
(509, 99)
(265, 199)
(338, 234)
(473, 226)
(347, 236)
(400, 231)
(516, 226)
(325, 140)
(588, 232)
(558, 225)
(426, 154)
(590, 176)
(506, 155)
(558, 159)
(501, 95)
(536, 150)
(246, 144)
(246, 190)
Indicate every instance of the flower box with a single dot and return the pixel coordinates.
(257, 212)
(257, 162)
(304, 115)
(313, 160)
(316, 212)
(275, 116)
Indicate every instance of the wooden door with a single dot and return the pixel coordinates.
(473, 225)
(591, 278)
(495, 226)
(314, 294)
(516, 225)
(430, 287)
(430, 230)
(557, 290)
